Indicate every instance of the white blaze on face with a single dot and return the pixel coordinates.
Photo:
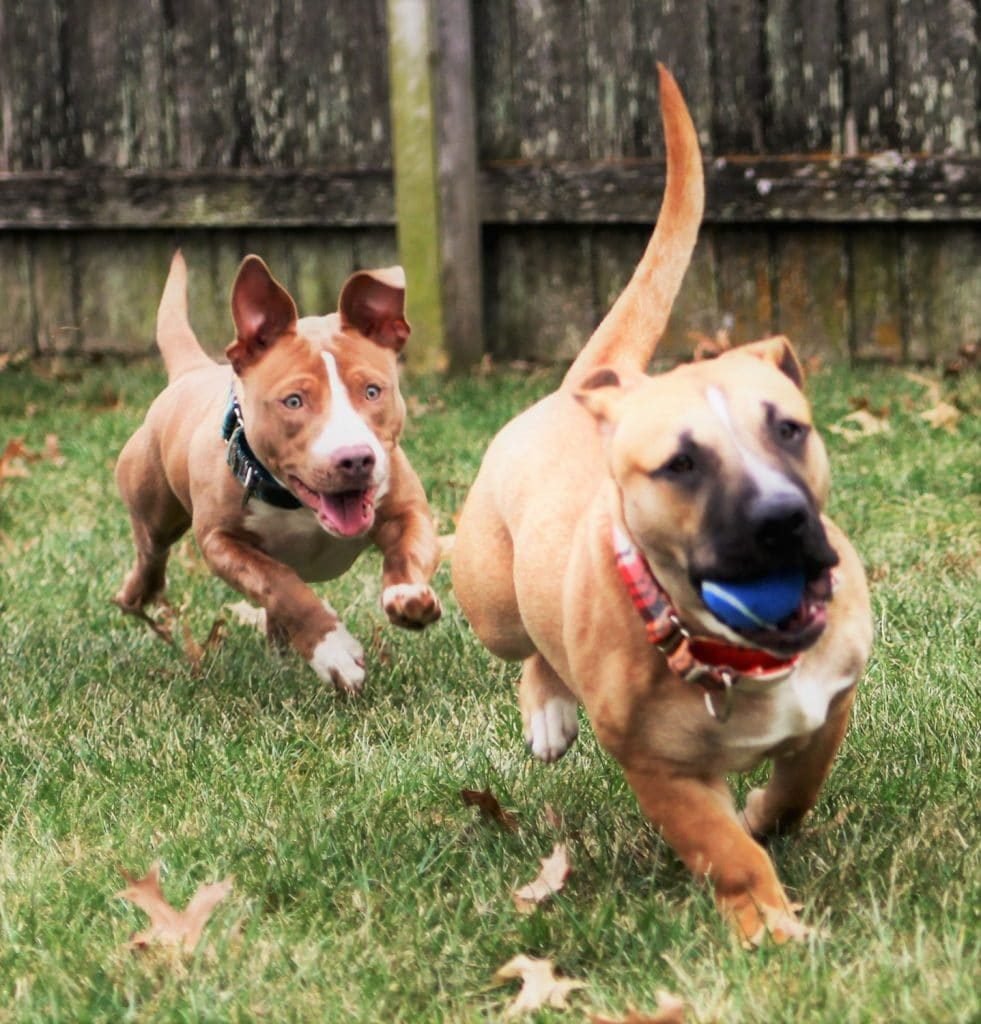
(770, 482)
(345, 428)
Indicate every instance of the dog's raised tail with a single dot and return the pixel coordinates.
(628, 335)
(177, 342)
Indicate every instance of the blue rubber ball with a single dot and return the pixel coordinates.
(754, 604)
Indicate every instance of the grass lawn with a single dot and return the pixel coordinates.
(364, 890)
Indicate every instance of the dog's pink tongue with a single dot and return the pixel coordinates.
(347, 513)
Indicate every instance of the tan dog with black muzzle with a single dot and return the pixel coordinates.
(594, 521)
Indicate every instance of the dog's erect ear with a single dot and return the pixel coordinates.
(780, 353)
(601, 393)
(262, 310)
(373, 303)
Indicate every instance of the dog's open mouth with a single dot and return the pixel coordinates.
(802, 627)
(341, 513)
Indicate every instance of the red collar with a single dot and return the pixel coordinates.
(713, 664)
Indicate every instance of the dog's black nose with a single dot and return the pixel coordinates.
(780, 520)
(355, 460)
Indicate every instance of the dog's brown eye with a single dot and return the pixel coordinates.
(372, 392)
(791, 431)
(293, 401)
(681, 464)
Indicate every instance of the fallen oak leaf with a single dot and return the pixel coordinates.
(194, 651)
(539, 984)
(13, 459)
(943, 416)
(550, 880)
(670, 1010)
(932, 386)
(169, 926)
(490, 808)
(858, 424)
(52, 450)
(247, 614)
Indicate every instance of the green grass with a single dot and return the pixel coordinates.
(364, 889)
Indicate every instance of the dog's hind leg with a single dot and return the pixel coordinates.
(158, 520)
(548, 710)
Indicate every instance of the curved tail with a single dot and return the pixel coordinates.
(628, 335)
(176, 340)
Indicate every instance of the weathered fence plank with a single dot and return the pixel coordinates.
(739, 85)
(54, 293)
(17, 325)
(811, 282)
(676, 33)
(745, 277)
(870, 99)
(941, 284)
(936, 75)
(804, 99)
(541, 294)
(549, 86)
(35, 132)
(876, 298)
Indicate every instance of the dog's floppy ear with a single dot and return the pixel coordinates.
(780, 353)
(601, 393)
(373, 303)
(262, 310)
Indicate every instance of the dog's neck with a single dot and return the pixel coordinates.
(245, 465)
(715, 665)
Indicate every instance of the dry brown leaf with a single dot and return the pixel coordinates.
(194, 651)
(555, 870)
(539, 985)
(553, 818)
(52, 450)
(862, 402)
(709, 348)
(932, 386)
(13, 459)
(489, 807)
(247, 614)
(169, 926)
(858, 424)
(943, 416)
(670, 1010)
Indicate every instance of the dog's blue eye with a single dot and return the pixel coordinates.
(293, 401)
(372, 392)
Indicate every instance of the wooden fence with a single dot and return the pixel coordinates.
(842, 145)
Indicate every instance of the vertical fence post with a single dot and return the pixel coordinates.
(461, 278)
(434, 152)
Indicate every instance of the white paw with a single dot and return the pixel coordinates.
(553, 729)
(339, 659)
(411, 605)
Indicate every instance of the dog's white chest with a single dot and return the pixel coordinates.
(792, 710)
(295, 538)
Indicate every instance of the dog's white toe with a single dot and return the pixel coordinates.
(411, 605)
(553, 729)
(339, 659)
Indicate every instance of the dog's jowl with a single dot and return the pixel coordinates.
(286, 464)
(654, 548)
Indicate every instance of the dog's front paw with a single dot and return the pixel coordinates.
(411, 605)
(551, 730)
(756, 922)
(339, 659)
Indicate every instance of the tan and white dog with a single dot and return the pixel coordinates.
(285, 463)
(596, 516)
